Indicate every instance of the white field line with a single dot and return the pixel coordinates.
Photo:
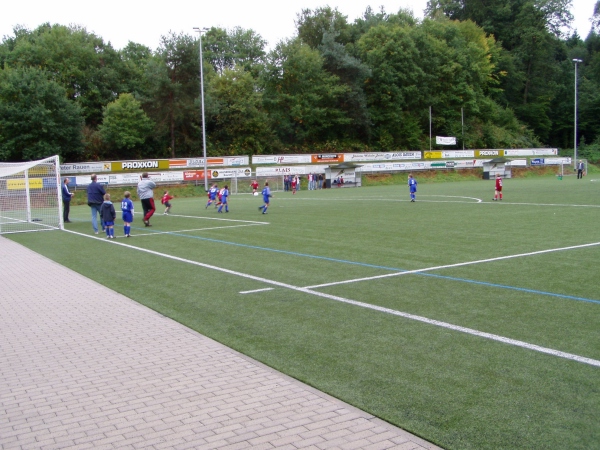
(195, 229)
(256, 290)
(448, 266)
(420, 199)
(216, 218)
(493, 337)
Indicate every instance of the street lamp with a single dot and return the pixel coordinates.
(576, 61)
(200, 30)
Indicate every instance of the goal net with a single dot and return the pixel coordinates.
(30, 197)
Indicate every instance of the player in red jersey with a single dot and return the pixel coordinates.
(498, 191)
(254, 186)
(166, 200)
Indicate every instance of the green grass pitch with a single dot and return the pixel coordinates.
(316, 289)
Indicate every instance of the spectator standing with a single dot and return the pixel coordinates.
(95, 198)
(146, 195)
(66, 198)
(580, 168)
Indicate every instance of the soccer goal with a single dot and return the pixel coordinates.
(30, 197)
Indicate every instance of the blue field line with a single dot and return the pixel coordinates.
(392, 269)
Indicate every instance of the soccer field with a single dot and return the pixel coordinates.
(471, 323)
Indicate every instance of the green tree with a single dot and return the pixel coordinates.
(88, 68)
(173, 92)
(125, 126)
(301, 97)
(240, 123)
(36, 118)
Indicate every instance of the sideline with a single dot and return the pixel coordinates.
(493, 337)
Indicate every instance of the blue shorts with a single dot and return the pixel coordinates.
(127, 217)
(109, 224)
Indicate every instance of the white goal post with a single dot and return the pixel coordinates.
(30, 197)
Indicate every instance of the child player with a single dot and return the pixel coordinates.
(212, 195)
(254, 186)
(266, 193)
(412, 187)
(166, 201)
(224, 195)
(108, 215)
(498, 191)
(127, 210)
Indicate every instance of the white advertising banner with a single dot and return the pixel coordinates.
(240, 172)
(280, 171)
(445, 140)
(531, 152)
(221, 161)
(85, 168)
(281, 159)
(517, 163)
(458, 154)
(381, 156)
(557, 161)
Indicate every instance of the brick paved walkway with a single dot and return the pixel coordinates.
(94, 369)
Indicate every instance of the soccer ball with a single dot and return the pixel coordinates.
(256, 194)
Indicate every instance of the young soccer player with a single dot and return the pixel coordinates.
(254, 186)
(224, 195)
(294, 184)
(212, 195)
(498, 191)
(266, 193)
(127, 213)
(108, 215)
(166, 201)
(412, 187)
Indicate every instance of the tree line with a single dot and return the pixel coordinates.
(495, 74)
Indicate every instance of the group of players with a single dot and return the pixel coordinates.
(220, 197)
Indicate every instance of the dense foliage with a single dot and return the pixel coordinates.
(495, 74)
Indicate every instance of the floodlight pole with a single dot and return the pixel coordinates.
(576, 61)
(200, 30)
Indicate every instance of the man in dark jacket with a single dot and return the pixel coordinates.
(66, 198)
(95, 198)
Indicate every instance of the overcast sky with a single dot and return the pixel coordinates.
(145, 22)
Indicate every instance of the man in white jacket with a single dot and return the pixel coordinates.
(146, 195)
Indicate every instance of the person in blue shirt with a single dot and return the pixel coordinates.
(266, 193)
(127, 210)
(412, 187)
(224, 195)
(212, 195)
(95, 198)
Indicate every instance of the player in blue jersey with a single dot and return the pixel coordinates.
(266, 193)
(412, 187)
(224, 196)
(212, 195)
(127, 213)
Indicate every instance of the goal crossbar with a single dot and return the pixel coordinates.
(30, 197)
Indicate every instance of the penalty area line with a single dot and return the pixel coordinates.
(154, 233)
(449, 266)
(470, 331)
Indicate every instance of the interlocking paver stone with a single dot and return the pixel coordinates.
(86, 367)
